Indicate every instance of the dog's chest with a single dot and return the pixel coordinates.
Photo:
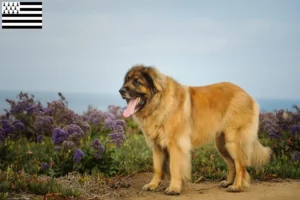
(154, 133)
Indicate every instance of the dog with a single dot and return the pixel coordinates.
(175, 118)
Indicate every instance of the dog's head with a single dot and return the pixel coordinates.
(141, 84)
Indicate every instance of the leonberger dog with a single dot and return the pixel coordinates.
(175, 118)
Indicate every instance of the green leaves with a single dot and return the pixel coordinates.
(19, 182)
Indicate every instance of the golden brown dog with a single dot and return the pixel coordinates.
(175, 118)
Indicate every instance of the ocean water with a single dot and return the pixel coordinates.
(79, 102)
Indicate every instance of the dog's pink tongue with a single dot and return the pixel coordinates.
(130, 108)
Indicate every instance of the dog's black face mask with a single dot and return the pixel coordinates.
(138, 89)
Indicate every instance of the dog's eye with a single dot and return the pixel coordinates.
(136, 82)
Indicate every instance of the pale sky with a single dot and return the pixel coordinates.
(87, 46)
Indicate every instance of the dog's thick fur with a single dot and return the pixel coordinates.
(176, 118)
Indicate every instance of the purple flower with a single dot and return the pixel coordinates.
(296, 156)
(284, 127)
(57, 148)
(18, 125)
(44, 166)
(43, 124)
(75, 133)
(94, 116)
(115, 110)
(18, 108)
(98, 145)
(32, 108)
(274, 135)
(269, 125)
(121, 122)
(75, 129)
(47, 121)
(78, 155)
(295, 129)
(296, 116)
(108, 115)
(86, 127)
(16, 122)
(97, 155)
(47, 111)
(4, 122)
(39, 138)
(2, 134)
(59, 135)
(110, 124)
(8, 128)
(62, 114)
(68, 144)
(117, 138)
(95, 121)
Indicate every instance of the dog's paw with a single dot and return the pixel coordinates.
(246, 184)
(225, 184)
(172, 191)
(233, 188)
(150, 187)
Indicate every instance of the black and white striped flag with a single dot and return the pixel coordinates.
(22, 15)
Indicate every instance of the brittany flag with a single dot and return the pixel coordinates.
(21, 15)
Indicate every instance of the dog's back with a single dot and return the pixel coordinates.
(216, 107)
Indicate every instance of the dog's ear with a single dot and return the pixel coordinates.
(150, 82)
(154, 80)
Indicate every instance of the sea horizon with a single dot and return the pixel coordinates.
(79, 102)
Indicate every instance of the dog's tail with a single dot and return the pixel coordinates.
(260, 155)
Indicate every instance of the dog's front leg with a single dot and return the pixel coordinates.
(180, 166)
(175, 170)
(158, 160)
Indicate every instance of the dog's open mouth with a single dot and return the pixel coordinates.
(134, 105)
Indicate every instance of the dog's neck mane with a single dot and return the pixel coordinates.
(154, 114)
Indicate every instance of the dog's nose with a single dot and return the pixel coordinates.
(122, 90)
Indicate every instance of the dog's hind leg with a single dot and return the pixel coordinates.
(220, 143)
(239, 148)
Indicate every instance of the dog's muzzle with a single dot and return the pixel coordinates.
(123, 91)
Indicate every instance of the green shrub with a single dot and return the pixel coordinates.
(134, 155)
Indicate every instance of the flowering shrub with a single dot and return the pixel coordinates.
(57, 139)
(11, 130)
(54, 140)
(23, 109)
(283, 128)
(99, 148)
(78, 155)
(109, 123)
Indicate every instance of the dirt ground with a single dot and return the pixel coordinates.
(281, 190)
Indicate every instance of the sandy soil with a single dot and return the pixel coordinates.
(281, 190)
